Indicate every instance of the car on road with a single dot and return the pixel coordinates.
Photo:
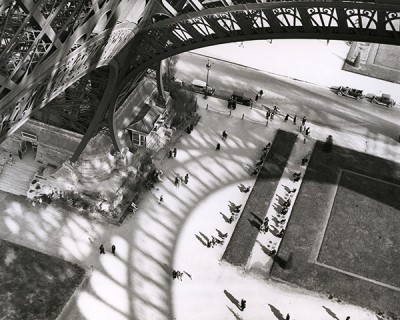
(383, 100)
(350, 92)
(239, 97)
(201, 87)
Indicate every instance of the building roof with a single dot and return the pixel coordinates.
(144, 120)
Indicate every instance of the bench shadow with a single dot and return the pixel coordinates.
(255, 224)
(259, 220)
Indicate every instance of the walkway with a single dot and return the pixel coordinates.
(137, 282)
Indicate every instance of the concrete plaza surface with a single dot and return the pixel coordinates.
(136, 283)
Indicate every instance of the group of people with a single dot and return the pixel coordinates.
(102, 250)
(172, 153)
(180, 179)
(260, 162)
(215, 241)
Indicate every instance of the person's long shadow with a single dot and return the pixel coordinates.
(330, 312)
(276, 312)
(242, 187)
(254, 223)
(232, 298)
(264, 248)
(237, 316)
(225, 217)
(201, 240)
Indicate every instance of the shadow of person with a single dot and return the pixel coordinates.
(255, 224)
(284, 264)
(287, 189)
(233, 207)
(225, 217)
(331, 313)
(168, 270)
(201, 240)
(276, 312)
(233, 299)
(237, 316)
(242, 187)
(204, 236)
(264, 248)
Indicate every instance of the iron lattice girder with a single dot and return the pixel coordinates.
(330, 20)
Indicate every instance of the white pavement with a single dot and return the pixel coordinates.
(137, 282)
(308, 60)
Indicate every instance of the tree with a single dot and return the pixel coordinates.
(183, 107)
(170, 71)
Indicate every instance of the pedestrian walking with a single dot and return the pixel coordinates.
(308, 131)
(19, 154)
(161, 199)
(170, 154)
(177, 182)
(261, 93)
(191, 127)
(102, 249)
(218, 147)
(242, 304)
(113, 249)
(186, 180)
(303, 121)
(224, 135)
(287, 317)
(174, 152)
(347, 318)
(174, 274)
(271, 116)
(256, 97)
(188, 130)
(294, 119)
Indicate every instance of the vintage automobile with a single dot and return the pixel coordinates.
(350, 92)
(200, 86)
(383, 100)
(240, 98)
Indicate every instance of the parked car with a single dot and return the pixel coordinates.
(201, 87)
(350, 92)
(383, 100)
(239, 97)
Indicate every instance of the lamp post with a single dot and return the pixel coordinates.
(208, 66)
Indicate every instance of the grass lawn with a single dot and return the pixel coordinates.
(346, 216)
(34, 285)
(364, 229)
(253, 214)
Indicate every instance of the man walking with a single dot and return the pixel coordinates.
(218, 147)
(294, 119)
(186, 178)
(102, 249)
(113, 249)
(174, 152)
(242, 304)
(303, 122)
